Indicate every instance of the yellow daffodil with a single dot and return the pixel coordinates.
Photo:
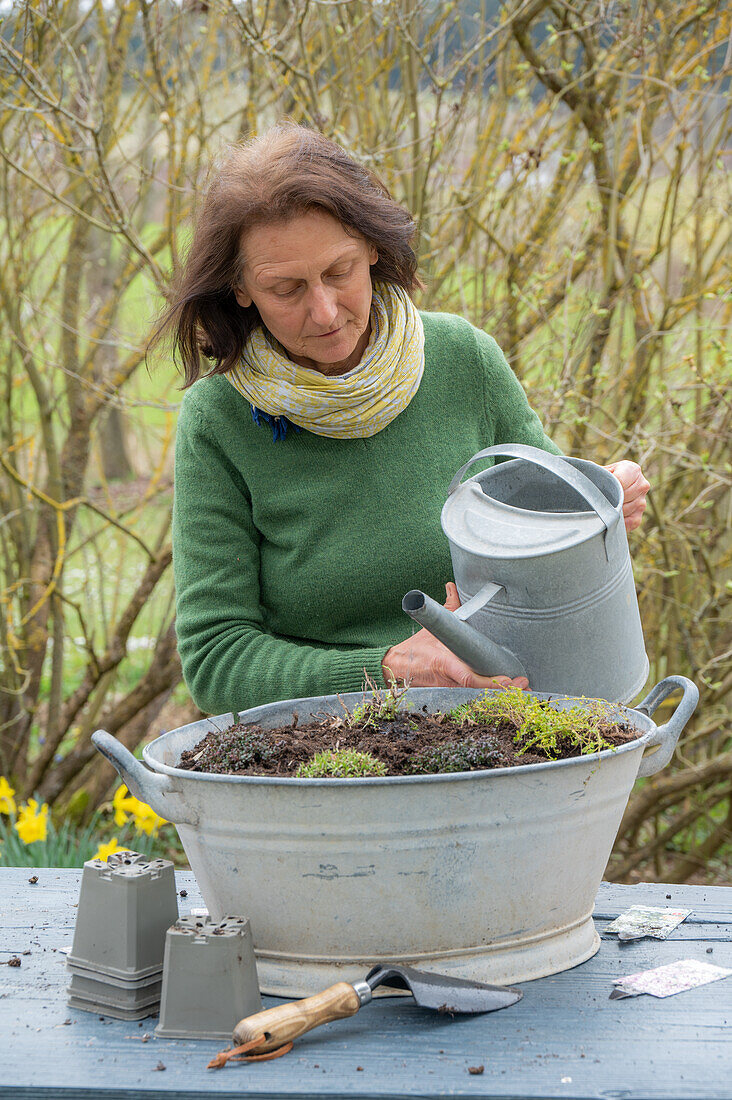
(32, 823)
(7, 802)
(122, 803)
(125, 805)
(104, 851)
(146, 820)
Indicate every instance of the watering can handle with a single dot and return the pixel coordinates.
(555, 464)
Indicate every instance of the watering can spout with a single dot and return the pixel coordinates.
(480, 653)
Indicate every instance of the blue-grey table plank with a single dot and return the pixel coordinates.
(564, 1039)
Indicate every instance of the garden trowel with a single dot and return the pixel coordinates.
(450, 996)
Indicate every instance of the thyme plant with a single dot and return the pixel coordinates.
(539, 725)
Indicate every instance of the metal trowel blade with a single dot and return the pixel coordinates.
(448, 995)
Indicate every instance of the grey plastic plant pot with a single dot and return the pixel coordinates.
(115, 1011)
(486, 875)
(108, 999)
(114, 992)
(209, 978)
(125, 908)
(83, 976)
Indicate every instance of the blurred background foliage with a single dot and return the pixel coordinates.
(569, 167)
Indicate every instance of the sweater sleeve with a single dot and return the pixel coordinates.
(510, 417)
(230, 661)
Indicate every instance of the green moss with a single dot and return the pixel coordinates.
(341, 764)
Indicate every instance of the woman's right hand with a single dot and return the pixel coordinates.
(423, 661)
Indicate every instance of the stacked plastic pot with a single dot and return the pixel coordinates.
(126, 906)
(133, 957)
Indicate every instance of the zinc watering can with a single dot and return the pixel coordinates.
(542, 567)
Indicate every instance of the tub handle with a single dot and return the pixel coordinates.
(663, 740)
(158, 791)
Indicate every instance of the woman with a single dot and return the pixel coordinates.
(294, 546)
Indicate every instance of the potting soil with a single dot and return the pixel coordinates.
(413, 742)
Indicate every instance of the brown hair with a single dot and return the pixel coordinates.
(285, 172)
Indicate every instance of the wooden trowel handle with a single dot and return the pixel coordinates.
(285, 1022)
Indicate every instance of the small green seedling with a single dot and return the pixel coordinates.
(383, 707)
(341, 764)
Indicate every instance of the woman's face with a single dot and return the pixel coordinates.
(311, 282)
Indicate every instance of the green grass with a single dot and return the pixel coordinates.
(68, 845)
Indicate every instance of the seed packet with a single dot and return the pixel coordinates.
(647, 920)
(664, 981)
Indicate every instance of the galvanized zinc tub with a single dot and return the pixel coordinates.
(490, 875)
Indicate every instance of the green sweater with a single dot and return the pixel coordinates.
(291, 557)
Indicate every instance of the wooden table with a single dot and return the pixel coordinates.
(564, 1039)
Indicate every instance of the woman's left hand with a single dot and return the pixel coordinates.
(635, 490)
